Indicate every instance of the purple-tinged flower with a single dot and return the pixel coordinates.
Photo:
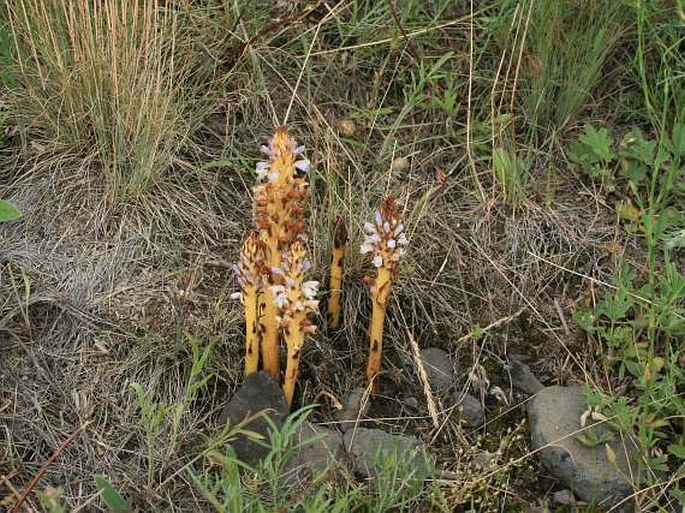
(302, 165)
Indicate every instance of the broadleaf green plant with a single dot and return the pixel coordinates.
(8, 212)
(639, 325)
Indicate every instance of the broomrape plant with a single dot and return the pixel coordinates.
(385, 240)
(277, 296)
(295, 302)
(279, 219)
(249, 272)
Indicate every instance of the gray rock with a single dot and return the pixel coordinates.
(564, 498)
(317, 458)
(523, 378)
(376, 454)
(259, 393)
(411, 403)
(354, 408)
(438, 368)
(554, 415)
(467, 409)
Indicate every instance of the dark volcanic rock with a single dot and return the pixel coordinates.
(258, 393)
(372, 450)
(523, 378)
(438, 368)
(354, 408)
(554, 415)
(468, 409)
(318, 455)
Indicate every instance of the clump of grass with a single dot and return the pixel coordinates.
(109, 80)
(554, 55)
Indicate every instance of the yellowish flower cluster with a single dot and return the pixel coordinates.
(284, 299)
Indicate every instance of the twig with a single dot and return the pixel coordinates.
(14, 492)
(491, 326)
(562, 317)
(413, 53)
(423, 376)
(48, 464)
(239, 49)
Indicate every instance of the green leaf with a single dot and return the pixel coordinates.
(599, 141)
(677, 450)
(678, 140)
(634, 146)
(8, 212)
(112, 498)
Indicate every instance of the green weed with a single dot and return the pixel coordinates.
(237, 486)
(640, 324)
(156, 416)
(8, 212)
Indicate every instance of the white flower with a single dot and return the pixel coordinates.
(374, 238)
(399, 229)
(379, 218)
(392, 243)
(299, 150)
(370, 227)
(281, 300)
(365, 248)
(277, 289)
(310, 288)
(402, 239)
(302, 165)
(237, 295)
(378, 261)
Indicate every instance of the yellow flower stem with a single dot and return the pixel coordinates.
(294, 339)
(251, 298)
(379, 298)
(335, 285)
(270, 347)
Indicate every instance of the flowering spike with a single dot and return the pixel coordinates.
(385, 240)
(248, 272)
(295, 301)
(279, 218)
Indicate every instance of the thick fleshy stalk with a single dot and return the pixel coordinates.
(380, 293)
(385, 240)
(278, 215)
(337, 270)
(295, 301)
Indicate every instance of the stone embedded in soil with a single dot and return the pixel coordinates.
(554, 415)
(438, 368)
(375, 454)
(523, 378)
(258, 393)
(467, 409)
(317, 458)
(354, 408)
(564, 498)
